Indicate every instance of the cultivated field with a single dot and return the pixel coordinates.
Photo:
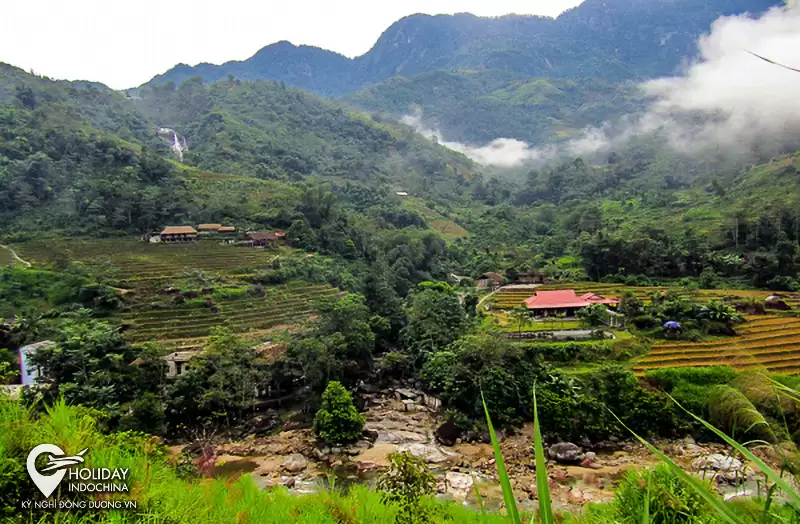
(764, 342)
(154, 279)
(132, 263)
(769, 342)
(510, 298)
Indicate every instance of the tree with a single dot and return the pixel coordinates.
(435, 318)
(593, 315)
(338, 421)
(407, 480)
(89, 364)
(221, 383)
(521, 317)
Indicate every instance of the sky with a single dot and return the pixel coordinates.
(125, 43)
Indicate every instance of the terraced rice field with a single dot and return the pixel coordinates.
(510, 298)
(764, 342)
(180, 326)
(146, 272)
(131, 262)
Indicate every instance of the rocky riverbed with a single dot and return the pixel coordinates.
(401, 420)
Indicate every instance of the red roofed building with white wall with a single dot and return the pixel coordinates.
(566, 301)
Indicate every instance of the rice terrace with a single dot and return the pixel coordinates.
(175, 293)
(768, 341)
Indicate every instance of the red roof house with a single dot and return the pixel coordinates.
(564, 301)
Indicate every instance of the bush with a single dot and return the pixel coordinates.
(337, 420)
(404, 484)
(671, 500)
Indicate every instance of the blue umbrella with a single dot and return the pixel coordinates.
(671, 325)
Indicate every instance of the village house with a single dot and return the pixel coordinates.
(227, 229)
(176, 362)
(264, 238)
(178, 234)
(209, 228)
(531, 277)
(563, 302)
(490, 280)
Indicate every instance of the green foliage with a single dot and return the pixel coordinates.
(732, 411)
(486, 365)
(407, 480)
(670, 499)
(337, 420)
(594, 315)
(435, 318)
(221, 384)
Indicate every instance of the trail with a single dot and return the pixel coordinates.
(15, 256)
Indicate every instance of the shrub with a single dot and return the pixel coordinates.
(337, 420)
(671, 500)
(405, 483)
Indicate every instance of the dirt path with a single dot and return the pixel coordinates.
(15, 256)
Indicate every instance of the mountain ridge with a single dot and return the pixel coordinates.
(610, 40)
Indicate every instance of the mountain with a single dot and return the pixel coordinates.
(476, 107)
(613, 40)
(84, 157)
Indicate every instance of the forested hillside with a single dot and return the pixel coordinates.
(477, 107)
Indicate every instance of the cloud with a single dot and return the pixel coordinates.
(504, 152)
(727, 101)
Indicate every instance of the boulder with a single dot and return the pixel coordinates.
(565, 453)
(717, 462)
(430, 454)
(776, 302)
(371, 435)
(399, 437)
(295, 463)
(447, 434)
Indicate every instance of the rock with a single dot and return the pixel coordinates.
(430, 454)
(717, 462)
(409, 405)
(374, 458)
(371, 435)
(295, 463)
(401, 394)
(458, 485)
(447, 434)
(776, 302)
(399, 437)
(585, 442)
(725, 469)
(565, 453)
(591, 455)
(319, 455)
(290, 482)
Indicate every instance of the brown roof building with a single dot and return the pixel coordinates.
(209, 228)
(178, 234)
(227, 229)
(265, 238)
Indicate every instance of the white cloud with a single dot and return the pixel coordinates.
(728, 101)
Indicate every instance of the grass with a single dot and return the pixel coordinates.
(161, 494)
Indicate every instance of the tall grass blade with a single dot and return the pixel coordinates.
(542, 487)
(646, 509)
(478, 496)
(760, 464)
(723, 511)
(502, 473)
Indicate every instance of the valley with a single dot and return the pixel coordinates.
(494, 269)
